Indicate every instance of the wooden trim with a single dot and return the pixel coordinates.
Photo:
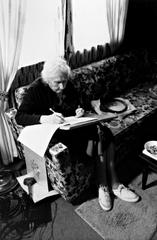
(78, 59)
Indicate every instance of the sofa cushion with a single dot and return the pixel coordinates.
(23, 77)
(20, 93)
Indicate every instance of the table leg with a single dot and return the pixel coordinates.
(144, 177)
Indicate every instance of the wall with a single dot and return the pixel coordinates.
(141, 25)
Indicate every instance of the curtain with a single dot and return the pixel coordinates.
(69, 49)
(116, 17)
(12, 18)
(60, 27)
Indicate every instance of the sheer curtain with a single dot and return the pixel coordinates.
(12, 18)
(44, 31)
(116, 17)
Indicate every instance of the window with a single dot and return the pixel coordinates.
(90, 26)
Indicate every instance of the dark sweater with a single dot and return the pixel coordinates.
(40, 98)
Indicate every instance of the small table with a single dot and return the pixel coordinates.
(149, 163)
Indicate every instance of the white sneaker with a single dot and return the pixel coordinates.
(104, 198)
(125, 194)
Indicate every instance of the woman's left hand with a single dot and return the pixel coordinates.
(79, 112)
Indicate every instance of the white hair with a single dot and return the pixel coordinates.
(54, 68)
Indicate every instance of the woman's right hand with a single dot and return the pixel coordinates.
(96, 106)
(55, 118)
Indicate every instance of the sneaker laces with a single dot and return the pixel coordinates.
(105, 192)
(104, 188)
(121, 187)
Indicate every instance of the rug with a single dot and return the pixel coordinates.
(126, 221)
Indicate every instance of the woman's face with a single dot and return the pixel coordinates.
(58, 84)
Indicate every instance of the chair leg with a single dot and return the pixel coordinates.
(144, 177)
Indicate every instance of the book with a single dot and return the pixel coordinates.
(90, 118)
(74, 122)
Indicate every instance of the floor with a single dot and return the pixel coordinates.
(56, 219)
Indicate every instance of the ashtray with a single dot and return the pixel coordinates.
(151, 147)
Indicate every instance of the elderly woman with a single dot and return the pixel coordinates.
(52, 97)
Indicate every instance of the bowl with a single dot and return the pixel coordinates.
(151, 147)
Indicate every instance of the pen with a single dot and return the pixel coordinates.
(58, 114)
(51, 110)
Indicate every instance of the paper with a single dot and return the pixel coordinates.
(129, 110)
(71, 122)
(110, 115)
(37, 137)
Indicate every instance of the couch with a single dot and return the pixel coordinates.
(130, 75)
